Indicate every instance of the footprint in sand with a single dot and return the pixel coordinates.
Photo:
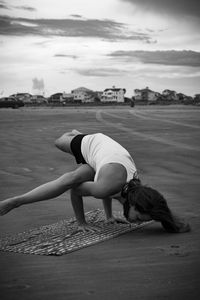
(26, 169)
(175, 250)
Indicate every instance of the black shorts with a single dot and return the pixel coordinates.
(76, 148)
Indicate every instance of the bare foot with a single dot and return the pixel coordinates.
(75, 132)
(7, 205)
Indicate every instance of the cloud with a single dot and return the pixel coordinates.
(101, 72)
(19, 27)
(76, 16)
(3, 6)
(28, 8)
(66, 55)
(178, 7)
(170, 57)
(105, 29)
(38, 84)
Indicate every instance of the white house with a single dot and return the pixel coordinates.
(113, 95)
(83, 94)
(67, 97)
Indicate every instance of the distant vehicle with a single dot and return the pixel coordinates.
(7, 102)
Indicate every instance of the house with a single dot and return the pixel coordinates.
(67, 97)
(146, 95)
(38, 99)
(56, 98)
(25, 97)
(83, 95)
(113, 95)
(170, 95)
(98, 96)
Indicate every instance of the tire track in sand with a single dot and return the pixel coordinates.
(145, 117)
(100, 118)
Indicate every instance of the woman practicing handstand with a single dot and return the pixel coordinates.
(107, 171)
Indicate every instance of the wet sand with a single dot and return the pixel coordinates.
(144, 264)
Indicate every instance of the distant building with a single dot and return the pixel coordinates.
(38, 99)
(170, 95)
(146, 95)
(25, 97)
(56, 98)
(83, 95)
(67, 97)
(98, 96)
(113, 95)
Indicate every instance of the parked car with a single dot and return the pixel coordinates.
(7, 102)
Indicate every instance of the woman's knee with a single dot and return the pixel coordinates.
(82, 174)
(63, 142)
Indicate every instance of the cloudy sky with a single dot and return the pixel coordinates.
(55, 46)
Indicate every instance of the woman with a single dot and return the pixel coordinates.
(107, 171)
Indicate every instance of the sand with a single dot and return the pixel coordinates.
(144, 264)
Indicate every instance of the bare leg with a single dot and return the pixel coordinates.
(110, 181)
(111, 178)
(49, 190)
(63, 142)
(75, 132)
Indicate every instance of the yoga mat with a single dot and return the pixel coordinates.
(62, 237)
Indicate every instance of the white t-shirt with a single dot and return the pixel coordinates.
(99, 149)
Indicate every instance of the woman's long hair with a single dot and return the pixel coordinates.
(150, 201)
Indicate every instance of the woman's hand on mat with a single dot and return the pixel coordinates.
(114, 220)
(88, 228)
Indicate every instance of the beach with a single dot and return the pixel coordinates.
(144, 264)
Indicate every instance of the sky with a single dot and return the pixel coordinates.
(49, 46)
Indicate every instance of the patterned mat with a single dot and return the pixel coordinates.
(62, 237)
